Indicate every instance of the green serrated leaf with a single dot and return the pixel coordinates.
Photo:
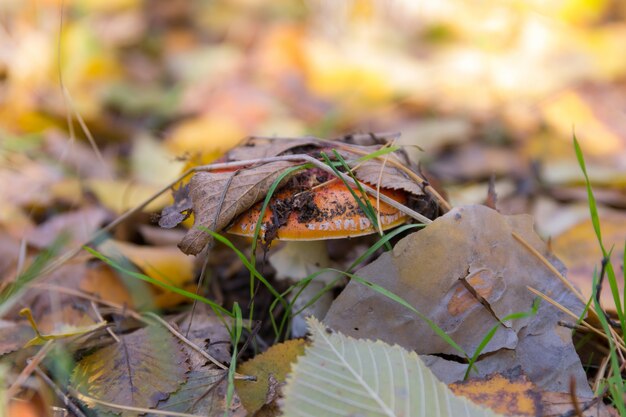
(343, 376)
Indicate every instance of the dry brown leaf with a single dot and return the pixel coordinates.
(146, 366)
(218, 197)
(556, 404)
(256, 148)
(509, 393)
(427, 269)
(14, 335)
(79, 225)
(392, 177)
(370, 170)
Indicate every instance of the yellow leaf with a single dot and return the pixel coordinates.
(209, 136)
(579, 250)
(276, 361)
(121, 195)
(166, 264)
(506, 394)
(570, 109)
(346, 77)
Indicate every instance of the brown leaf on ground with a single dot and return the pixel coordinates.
(144, 368)
(391, 177)
(209, 332)
(102, 281)
(257, 148)
(174, 214)
(14, 335)
(466, 272)
(509, 393)
(203, 394)
(204, 391)
(218, 197)
(557, 404)
(80, 225)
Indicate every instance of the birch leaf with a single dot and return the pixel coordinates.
(342, 376)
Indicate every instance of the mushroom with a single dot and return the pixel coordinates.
(311, 209)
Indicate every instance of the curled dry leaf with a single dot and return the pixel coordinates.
(218, 197)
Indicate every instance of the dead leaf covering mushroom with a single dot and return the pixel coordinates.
(218, 197)
(472, 244)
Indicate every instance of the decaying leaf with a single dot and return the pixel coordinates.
(511, 393)
(209, 332)
(173, 215)
(381, 171)
(558, 404)
(342, 376)
(218, 197)
(203, 394)
(271, 365)
(466, 272)
(145, 367)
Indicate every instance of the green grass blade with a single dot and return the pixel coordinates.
(382, 241)
(615, 381)
(595, 220)
(235, 337)
(218, 309)
(394, 297)
(364, 202)
(483, 343)
(257, 231)
(12, 291)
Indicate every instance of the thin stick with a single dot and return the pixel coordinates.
(186, 341)
(99, 317)
(571, 314)
(89, 399)
(23, 376)
(59, 393)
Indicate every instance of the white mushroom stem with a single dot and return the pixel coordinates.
(296, 261)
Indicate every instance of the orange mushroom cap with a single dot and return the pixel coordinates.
(325, 212)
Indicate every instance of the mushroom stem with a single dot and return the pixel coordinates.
(296, 261)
